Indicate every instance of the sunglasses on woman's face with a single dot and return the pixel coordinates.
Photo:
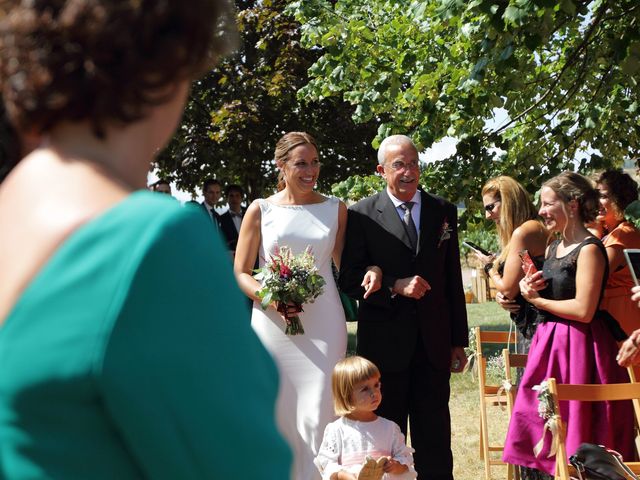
(491, 206)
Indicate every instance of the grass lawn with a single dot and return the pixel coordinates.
(464, 403)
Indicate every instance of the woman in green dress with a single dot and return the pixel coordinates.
(123, 353)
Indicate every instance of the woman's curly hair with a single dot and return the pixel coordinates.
(622, 188)
(103, 60)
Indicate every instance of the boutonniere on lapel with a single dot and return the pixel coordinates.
(445, 232)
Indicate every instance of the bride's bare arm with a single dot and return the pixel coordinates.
(247, 251)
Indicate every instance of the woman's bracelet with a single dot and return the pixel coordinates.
(487, 268)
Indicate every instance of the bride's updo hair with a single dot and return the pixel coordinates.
(573, 186)
(288, 142)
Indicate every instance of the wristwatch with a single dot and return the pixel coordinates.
(487, 268)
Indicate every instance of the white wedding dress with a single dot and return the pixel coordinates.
(305, 362)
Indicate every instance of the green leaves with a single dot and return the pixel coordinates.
(562, 74)
(357, 187)
(239, 110)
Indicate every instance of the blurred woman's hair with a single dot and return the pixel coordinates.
(101, 60)
(570, 186)
(516, 208)
(621, 187)
(10, 145)
(288, 142)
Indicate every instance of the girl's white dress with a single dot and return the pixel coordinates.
(305, 362)
(347, 443)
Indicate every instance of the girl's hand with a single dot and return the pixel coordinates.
(509, 305)
(629, 353)
(342, 475)
(394, 466)
(530, 285)
(372, 281)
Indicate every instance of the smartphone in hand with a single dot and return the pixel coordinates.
(633, 260)
(476, 248)
(528, 266)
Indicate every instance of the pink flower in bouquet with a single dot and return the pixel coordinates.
(289, 281)
(285, 271)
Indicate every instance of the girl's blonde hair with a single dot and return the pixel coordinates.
(288, 142)
(346, 375)
(516, 208)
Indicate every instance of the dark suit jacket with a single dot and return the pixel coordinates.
(388, 327)
(216, 215)
(229, 229)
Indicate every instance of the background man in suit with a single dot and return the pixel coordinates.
(231, 220)
(161, 186)
(212, 190)
(414, 328)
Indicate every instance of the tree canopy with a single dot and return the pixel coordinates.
(563, 73)
(239, 110)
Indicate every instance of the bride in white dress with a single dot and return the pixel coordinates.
(298, 217)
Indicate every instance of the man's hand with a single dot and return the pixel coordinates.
(412, 287)
(458, 359)
(372, 281)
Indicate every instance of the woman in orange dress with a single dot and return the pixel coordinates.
(617, 191)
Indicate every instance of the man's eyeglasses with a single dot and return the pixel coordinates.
(400, 165)
(491, 206)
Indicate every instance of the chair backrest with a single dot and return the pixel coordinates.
(494, 336)
(512, 360)
(489, 394)
(484, 337)
(584, 393)
(636, 406)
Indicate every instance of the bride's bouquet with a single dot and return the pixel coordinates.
(289, 280)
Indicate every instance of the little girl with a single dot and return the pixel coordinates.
(360, 445)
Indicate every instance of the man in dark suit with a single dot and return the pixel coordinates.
(414, 328)
(231, 220)
(212, 191)
(161, 186)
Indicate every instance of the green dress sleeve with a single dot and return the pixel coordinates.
(190, 389)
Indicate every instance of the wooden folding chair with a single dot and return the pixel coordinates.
(512, 360)
(585, 393)
(636, 408)
(489, 394)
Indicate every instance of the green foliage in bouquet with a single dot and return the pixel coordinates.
(290, 281)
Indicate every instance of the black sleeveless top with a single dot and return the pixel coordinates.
(560, 273)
